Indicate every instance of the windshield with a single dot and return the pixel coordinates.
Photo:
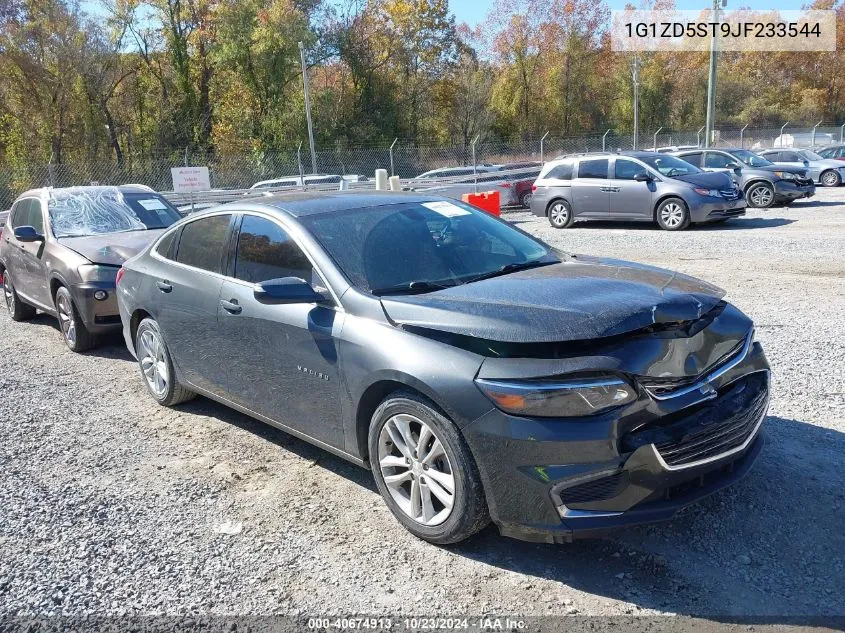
(810, 155)
(669, 166)
(81, 212)
(420, 247)
(750, 158)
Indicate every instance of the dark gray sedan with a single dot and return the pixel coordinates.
(478, 372)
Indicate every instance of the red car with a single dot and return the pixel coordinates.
(520, 178)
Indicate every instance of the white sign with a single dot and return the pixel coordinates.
(446, 209)
(188, 179)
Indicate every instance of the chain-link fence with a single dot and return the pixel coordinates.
(242, 169)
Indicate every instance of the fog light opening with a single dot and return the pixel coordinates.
(101, 295)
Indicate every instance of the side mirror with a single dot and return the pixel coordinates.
(28, 234)
(806, 163)
(643, 176)
(286, 290)
(735, 166)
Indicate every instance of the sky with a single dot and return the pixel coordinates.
(474, 11)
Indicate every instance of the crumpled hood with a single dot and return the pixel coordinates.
(111, 249)
(581, 298)
(708, 179)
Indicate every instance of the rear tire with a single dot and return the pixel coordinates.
(525, 199)
(422, 453)
(75, 334)
(831, 179)
(18, 310)
(672, 215)
(560, 214)
(157, 367)
(760, 195)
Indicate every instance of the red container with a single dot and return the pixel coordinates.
(486, 201)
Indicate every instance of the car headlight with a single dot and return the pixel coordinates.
(574, 397)
(96, 272)
(713, 193)
(786, 175)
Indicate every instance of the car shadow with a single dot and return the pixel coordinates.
(803, 204)
(732, 224)
(785, 517)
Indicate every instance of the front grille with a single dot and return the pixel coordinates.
(710, 429)
(665, 386)
(595, 490)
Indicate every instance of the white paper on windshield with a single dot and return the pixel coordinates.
(446, 209)
(152, 204)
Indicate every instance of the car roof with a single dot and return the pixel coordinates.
(46, 192)
(300, 204)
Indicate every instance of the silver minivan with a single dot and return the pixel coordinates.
(634, 186)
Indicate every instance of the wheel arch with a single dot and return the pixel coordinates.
(558, 198)
(135, 320)
(757, 181)
(663, 199)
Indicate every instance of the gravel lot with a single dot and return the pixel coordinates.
(110, 504)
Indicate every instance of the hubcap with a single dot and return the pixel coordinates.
(416, 469)
(66, 319)
(559, 214)
(829, 179)
(153, 363)
(9, 293)
(761, 196)
(672, 214)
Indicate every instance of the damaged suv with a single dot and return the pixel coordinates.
(478, 372)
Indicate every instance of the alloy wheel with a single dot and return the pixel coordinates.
(830, 179)
(66, 320)
(416, 469)
(559, 214)
(761, 196)
(9, 293)
(672, 215)
(153, 362)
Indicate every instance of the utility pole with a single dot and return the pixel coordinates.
(308, 108)
(635, 76)
(711, 80)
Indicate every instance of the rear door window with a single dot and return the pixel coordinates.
(165, 246)
(595, 169)
(203, 242)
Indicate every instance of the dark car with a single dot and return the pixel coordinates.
(763, 182)
(834, 151)
(62, 248)
(478, 372)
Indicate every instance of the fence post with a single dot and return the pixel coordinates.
(187, 164)
(655, 138)
(542, 140)
(51, 175)
(841, 130)
(392, 171)
(741, 136)
(813, 139)
(299, 162)
(604, 136)
(474, 166)
(781, 133)
(698, 136)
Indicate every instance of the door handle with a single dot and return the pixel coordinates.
(231, 306)
(164, 286)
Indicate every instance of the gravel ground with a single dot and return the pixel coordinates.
(112, 505)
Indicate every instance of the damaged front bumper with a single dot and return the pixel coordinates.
(555, 480)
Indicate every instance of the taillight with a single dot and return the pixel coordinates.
(505, 185)
(533, 187)
(119, 276)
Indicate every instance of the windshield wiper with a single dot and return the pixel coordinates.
(512, 268)
(412, 287)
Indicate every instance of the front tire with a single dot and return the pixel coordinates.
(18, 310)
(560, 214)
(673, 215)
(831, 179)
(75, 334)
(760, 195)
(424, 471)
(157, 366)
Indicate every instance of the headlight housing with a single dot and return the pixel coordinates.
(786, 175)
(97, 272)
(572, 397)
(713, 193)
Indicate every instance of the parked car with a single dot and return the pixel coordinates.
(634, 187)
(824, 171)
(297, 181)
(519, 178)
(4, 215)
(834, 151)
(453, 172)
(63, 248)
(802, 139)
(478, 372)
(463, 180)
(764, 183)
